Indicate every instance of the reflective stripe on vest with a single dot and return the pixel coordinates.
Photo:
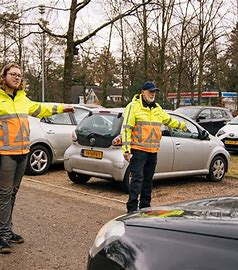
(146, 136)
(14, 133)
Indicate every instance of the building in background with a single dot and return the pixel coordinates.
(93, 95)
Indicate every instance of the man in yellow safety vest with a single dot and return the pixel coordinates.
(141, 137)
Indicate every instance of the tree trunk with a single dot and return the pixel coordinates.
(69, 54)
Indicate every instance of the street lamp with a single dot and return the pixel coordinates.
(42, 12)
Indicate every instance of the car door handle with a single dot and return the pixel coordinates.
(50, 132)
(177, 144)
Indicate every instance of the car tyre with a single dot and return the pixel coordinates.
(78, 178)
(39, 160)
(217, 169)
(126, 181)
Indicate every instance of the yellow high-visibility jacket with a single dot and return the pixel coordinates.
(141, 126)
(14, 125)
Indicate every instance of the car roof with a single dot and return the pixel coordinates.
(90, 106)
(109, 110)
(202, 107)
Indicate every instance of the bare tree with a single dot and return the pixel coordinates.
(183, 36)
(71, 42)
(208, 17)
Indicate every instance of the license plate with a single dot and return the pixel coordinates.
(92, 153)
(231, 142)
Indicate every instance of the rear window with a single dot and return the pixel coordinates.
(99, 129)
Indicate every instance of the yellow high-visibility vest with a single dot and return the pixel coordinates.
(141, 126)
(14, 125)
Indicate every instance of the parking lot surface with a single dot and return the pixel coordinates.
(58, 227)
(164, 191)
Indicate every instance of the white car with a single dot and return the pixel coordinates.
(92, 154)
(50, 137)
(229, 135)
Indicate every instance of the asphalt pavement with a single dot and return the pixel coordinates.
(58, 225)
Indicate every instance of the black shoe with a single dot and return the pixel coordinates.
(16, 238)
(5, 247)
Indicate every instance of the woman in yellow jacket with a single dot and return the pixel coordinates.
(15, 107)
(141, 137)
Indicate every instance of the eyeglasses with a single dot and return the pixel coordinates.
(15, 75)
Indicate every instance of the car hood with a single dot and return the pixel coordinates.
(214, 217)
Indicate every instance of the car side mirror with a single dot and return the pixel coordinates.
(204, 135)
(166, 132)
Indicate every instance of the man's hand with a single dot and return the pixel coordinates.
(127, 156)
(184, 127)
(68, 108)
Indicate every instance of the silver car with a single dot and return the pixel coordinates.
(50, 137)
(92, 154)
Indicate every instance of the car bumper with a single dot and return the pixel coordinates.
(231, 144)
(112, 165)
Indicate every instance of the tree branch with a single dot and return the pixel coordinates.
(127, 13)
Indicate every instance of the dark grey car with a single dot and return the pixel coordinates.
(210, 118)
(195, 235)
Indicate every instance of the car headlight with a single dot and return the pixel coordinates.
(107, 234)
(220, 132)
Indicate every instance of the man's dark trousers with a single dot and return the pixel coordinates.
(142, 167)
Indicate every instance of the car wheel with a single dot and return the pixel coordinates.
(126, 181)
(39, 160)
(217, 169)
(78, 178)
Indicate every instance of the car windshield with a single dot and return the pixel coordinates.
(190, 112)
(234, 121)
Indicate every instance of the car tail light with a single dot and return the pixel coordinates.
(74, 136)
(117, 141)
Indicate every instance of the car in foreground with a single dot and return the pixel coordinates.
(190, 153)
(210, 118)
(195, 235)
(50, 137)
(229, 135)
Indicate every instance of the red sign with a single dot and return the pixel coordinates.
(193, 94)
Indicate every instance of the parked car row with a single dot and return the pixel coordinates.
(51, 136)
(190, 153)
